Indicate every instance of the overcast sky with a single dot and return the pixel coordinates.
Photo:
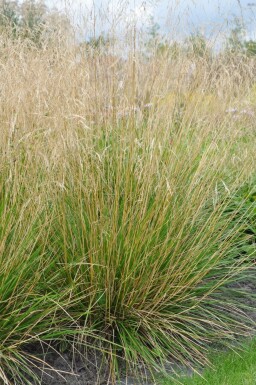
(184, 16)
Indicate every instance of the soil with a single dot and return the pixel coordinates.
(70, 369)
(67, 368)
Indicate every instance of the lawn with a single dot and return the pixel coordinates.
(236, 367)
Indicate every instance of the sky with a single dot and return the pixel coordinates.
(179, 16)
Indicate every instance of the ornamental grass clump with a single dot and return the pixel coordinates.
(142, 226)
(120, 222)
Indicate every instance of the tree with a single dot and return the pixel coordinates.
(250, 47)
(196, 45)
(236, 40)
(154, 37)
(30, 19)
(159, 44)
(9, 16)
(33, 15)
(99, 43)
(237, 43)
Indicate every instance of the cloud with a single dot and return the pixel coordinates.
(70, 4)
(173, 16)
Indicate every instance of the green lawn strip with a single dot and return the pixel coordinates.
(236, 367)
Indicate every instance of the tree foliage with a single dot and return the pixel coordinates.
(29, 19)
(159, 44)
(196, 45)
(250, 47)
(237, 43)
